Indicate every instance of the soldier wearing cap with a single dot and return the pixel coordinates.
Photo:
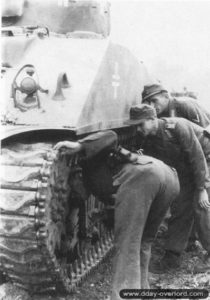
(143, 188)
(185, 146)
(184, 107)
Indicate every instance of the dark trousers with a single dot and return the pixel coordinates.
(146, 191)
(185, 212)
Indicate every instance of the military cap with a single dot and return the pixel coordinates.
(139, 113)
(151, 90)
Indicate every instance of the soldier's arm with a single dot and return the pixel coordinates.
(193, 150)
(193, 112)
(101, 142)
(97, 142)
(91, 145)
(190, 111)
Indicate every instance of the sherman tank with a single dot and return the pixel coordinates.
(62, 78)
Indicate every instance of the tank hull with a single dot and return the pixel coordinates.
(105, 79)
(58, 85)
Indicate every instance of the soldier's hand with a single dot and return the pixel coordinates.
(67, 147)
(203, 199)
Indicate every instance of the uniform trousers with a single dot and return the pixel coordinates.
(146, 190)
(185, 211)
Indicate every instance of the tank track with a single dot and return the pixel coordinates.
(38, 251)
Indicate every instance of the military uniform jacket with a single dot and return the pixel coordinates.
(97, 175)
(184, 146)
(185, 107)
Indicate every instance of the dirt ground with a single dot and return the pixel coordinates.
(98, 285)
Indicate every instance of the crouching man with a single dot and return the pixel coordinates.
(186, 147)
(144, 188)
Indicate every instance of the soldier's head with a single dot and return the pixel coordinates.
(156, 96)
(144, 117)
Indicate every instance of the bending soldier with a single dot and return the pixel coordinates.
(186, 147)
(185, 107)
(144, 188)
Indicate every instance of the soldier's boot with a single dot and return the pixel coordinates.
(2, 278)
(170, 261)
(192, 245)
(203, 267)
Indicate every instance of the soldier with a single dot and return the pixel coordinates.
(186, 147)
(144, 187)
(184, 107)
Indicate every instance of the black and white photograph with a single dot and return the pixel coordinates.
(105, 149)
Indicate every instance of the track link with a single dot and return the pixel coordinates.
(35, 195)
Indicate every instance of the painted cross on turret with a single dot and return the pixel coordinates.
(64, 3)
(116, 79)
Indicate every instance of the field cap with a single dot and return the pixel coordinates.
(151, 90)
(140, 113)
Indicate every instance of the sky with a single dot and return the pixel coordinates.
(171, 37)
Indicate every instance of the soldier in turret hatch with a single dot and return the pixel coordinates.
(143, 187)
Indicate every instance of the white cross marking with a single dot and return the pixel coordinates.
(116, 79)
(64, 3)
